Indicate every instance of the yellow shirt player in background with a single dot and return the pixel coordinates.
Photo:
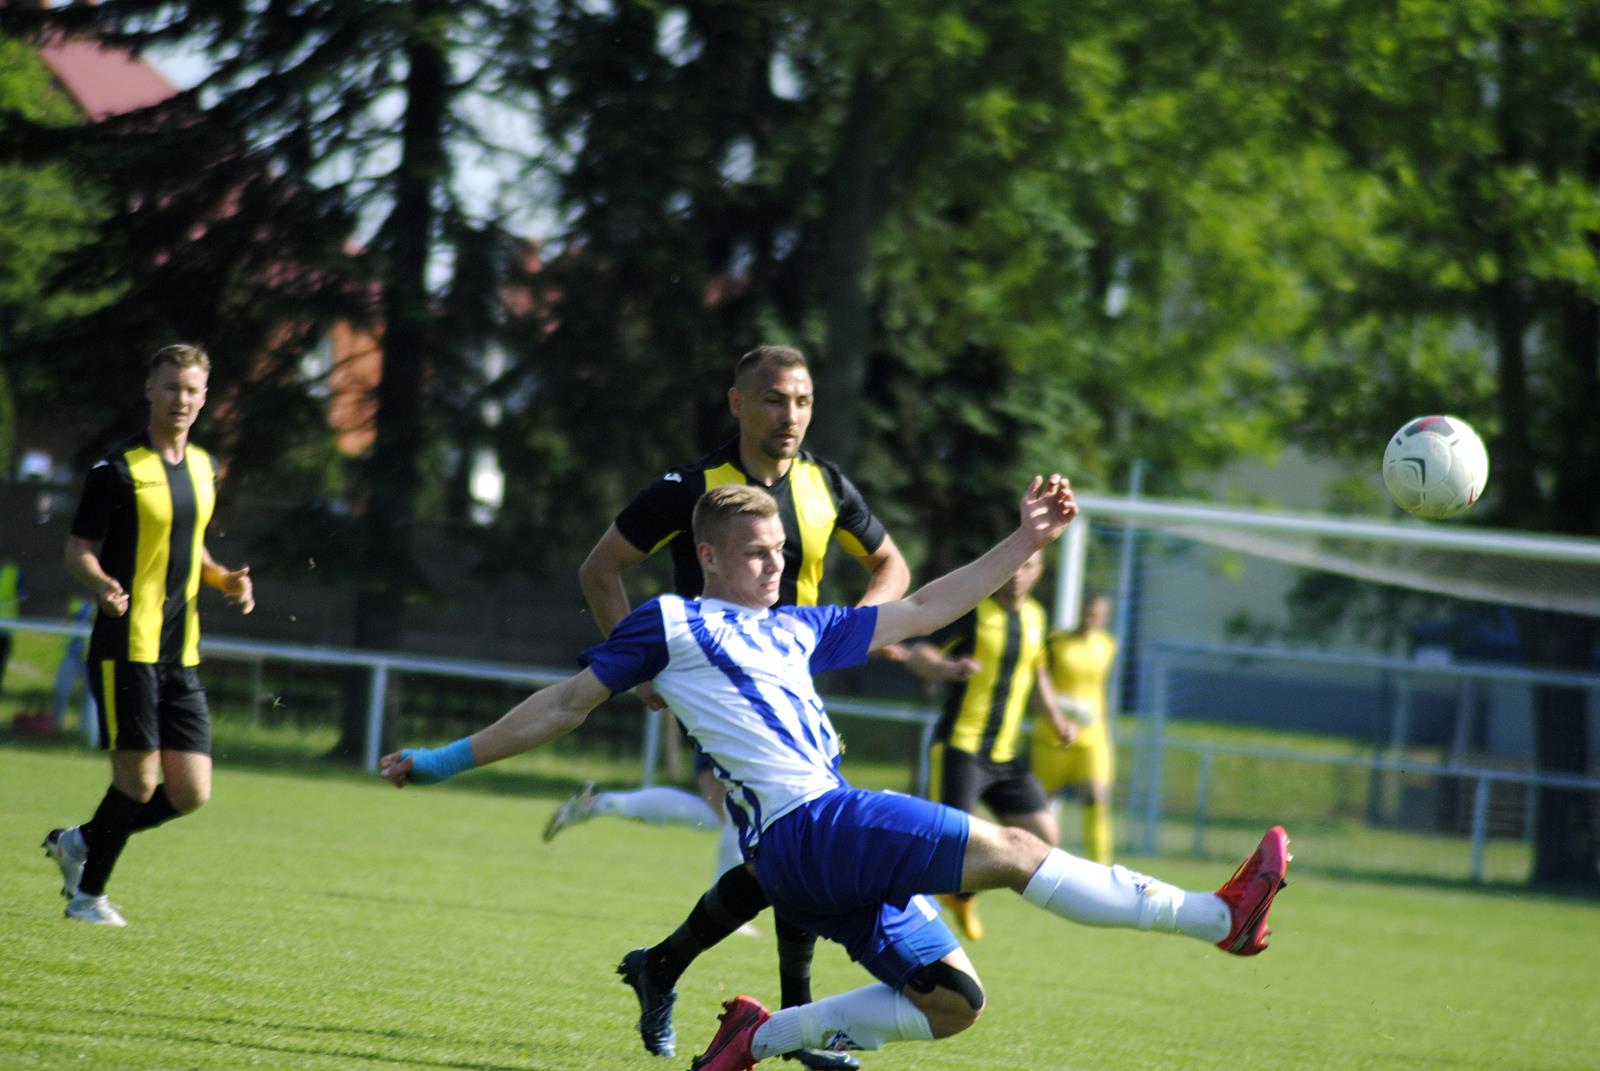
(1075, 750)
(993, 659)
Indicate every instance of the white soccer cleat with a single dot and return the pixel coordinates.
(575, 808)
(67, 848)
(96, 909)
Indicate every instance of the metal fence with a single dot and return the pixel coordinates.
(383, 667)
(1146, 788)
(1151, 746)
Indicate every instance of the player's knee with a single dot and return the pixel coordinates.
(1022, 850)
(188, 798)
(1023, 841)
(137, 788)
(951, 999)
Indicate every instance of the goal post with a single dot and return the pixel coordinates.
(1358, 628)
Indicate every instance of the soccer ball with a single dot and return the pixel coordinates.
(1435, 466)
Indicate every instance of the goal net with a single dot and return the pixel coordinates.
(1365, 678)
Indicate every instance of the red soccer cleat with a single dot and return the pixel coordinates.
(730, 1049)
(1249, 893)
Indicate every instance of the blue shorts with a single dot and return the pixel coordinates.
(850, 865)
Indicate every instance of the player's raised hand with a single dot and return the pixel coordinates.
(1048, 508)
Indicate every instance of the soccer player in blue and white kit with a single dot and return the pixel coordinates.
(848, 863)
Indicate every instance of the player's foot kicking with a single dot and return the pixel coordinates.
(66, 847)
(85, 908)
(1249, 893)
(655, 1007)
(730, 1048)
(578, 807)
(965, 911)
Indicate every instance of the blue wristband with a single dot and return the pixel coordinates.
(430, 765)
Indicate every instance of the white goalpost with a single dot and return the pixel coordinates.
(1416, 658)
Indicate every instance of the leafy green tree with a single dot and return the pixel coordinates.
(965, 212)
(44, 213)
(1473, 283)
(317, 124)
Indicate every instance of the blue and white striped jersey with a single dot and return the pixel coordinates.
(740, 682)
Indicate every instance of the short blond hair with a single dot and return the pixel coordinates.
(180, 355)
(720, 506)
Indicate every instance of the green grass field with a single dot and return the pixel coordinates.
(328, 921)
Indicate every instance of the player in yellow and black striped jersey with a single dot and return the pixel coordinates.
(149, 518)
(994, 662)
(817, 504)
(771, 399)
(138, 546)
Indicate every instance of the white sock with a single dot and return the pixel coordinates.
(1096, 895)
(729, 854)
(658, 806)
(865, 1018)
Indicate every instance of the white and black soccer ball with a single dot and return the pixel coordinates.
(1435, 466)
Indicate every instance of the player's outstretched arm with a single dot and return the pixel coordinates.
(1046, 510)
(538, 719)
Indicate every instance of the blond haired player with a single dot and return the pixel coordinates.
(849, 863)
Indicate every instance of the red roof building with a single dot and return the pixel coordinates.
(105, 81)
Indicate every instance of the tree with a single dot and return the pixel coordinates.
(316, 122)
(1475, 283)
(43, 214)
(939, 202)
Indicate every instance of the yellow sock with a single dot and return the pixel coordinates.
(1097, 833)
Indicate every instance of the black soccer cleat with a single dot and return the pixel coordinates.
(655, 1007)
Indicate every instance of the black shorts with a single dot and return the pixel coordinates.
(146, 707)
(962, 779)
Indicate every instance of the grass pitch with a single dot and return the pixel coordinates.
(317, 921)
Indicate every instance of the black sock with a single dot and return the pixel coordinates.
(734, 900)
(105, 834)
(795, 949)
(156, 810)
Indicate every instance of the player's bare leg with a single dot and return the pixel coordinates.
(963, 906)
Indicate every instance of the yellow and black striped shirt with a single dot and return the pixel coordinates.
(815, 502)
(150, 520)
(982, 715)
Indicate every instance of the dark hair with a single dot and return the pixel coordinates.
(782, 356)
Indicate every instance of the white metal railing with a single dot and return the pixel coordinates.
(381, 665)
(1145, 786)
